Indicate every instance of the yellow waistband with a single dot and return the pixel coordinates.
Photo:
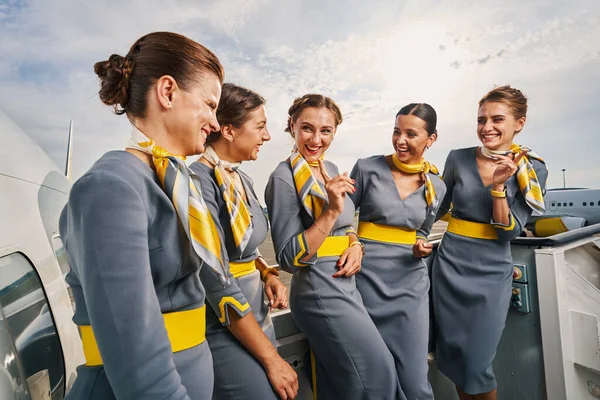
(242, 268)
(477, 230)
(333, 246)
(186, 329)
(386, 233)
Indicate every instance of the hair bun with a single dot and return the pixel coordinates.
(114, 76)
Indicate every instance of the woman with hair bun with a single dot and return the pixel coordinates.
(493, 189)
(398, 196)
(311, 224)
(138, 234)
(230, 197)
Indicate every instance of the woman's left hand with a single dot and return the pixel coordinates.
(506, 167)
(422, 248)
(349, 262)
(276, 292)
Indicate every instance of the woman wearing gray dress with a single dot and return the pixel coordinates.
(230, 196)
(493, 190)
(132, 235)
(398, 197)
(311, 226)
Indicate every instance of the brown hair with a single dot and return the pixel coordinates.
(126, 81)
(316, 101)
(513, 98)
(235, 107)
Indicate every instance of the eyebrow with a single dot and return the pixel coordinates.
(493, 116)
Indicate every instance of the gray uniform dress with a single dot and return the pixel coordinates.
(130, 262)
(471, 277)
(238, 375)
(352, 360)
(394, 285)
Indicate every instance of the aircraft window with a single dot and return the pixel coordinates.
(559, 204)
(26, 316)
(570, 204)
(585, 203)
(591, 203)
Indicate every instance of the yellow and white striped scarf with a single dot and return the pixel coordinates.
(184, 189)
(526, 176)
(240, 217)
(308, 189)
(424, 167)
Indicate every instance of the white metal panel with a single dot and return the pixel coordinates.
(21, 156)
(569, 310)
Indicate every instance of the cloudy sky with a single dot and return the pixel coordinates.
(372, 57)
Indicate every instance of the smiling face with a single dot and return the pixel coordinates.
(313, 130)
(251, 135)
(496, 125)
(192, 117)
(410, 138)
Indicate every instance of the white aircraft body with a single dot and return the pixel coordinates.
(39, 344)
(566, 210)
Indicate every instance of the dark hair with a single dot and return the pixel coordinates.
(513, 98)
(423, 111)
(235, 107)
(126, 81)
(316, 101)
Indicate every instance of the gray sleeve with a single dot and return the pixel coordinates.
(440, 189)
(220, 297)
(448, 178)
(520, 210)
(356, 174)
(108, 244)
(287, 229)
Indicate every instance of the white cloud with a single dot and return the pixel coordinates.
(370, 57)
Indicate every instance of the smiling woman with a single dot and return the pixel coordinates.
(311, 222)
(142, 262)
(493, 190)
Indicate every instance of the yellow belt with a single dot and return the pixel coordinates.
(333, 246)
(386, 233)
(242, 268)
(477, 230)
(185, 329)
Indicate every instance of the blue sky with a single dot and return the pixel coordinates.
(372, 57)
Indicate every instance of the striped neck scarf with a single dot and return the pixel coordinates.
(240, 217)
(526, 176)
(184, 189)
(312, 196)
(424, 168)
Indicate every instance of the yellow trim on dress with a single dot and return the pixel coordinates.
(185, 329)
(233, 302)
(386, 233)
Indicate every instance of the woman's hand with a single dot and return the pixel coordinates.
(336, 188)
(282, 378)
(422, 248)
(276, 292)
(505, 168)
(349, 262)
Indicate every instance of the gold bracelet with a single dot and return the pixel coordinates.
(497, 194)
(317, 225)
(268, 270)
(362, 246)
